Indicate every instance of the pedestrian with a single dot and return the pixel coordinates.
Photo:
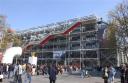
(4, 69)
(1, 72)
(111, 74)
(52, 73)
(83, 72)
(7, 68)
(9, 71)
(38, 70)
(15, 72)
(33, 70)
(18, 73)
(122, 73)
(28, 73)
(105, 74)
(126, 74)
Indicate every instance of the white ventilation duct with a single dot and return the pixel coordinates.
(10, 53)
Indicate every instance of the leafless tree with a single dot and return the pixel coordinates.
(119, 16)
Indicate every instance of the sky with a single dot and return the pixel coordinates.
(24, 14)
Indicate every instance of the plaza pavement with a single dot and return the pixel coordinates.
(65, 78)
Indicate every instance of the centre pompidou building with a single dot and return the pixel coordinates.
(74, 41)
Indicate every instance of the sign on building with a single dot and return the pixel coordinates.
(58, 54)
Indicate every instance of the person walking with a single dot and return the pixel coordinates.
(52, 74)
(9, 70)
(122, 73)
(28, 73)
(105, 74)
(111, 74)
(15, 72)
(18, 73)
(33, 70)
(126, 74)
(83, 72)
(38, 70)
(1, 72)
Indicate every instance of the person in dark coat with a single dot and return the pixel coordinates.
(126, 74)
(122, 73)
(52, 73)
(9, 70)
(105, 74)
(1, 72)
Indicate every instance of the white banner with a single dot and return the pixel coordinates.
(32, 60)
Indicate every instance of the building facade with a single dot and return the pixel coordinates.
(75, 41)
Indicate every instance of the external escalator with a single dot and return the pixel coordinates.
(51, 35)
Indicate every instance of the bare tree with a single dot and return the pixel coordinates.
(120, 15)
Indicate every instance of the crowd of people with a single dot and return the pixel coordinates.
(17, 71)
(109, 73)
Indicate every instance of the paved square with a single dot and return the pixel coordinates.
(65, 78)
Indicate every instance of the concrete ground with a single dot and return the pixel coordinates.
(65, 78)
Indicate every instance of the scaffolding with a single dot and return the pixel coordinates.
(77, 38)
